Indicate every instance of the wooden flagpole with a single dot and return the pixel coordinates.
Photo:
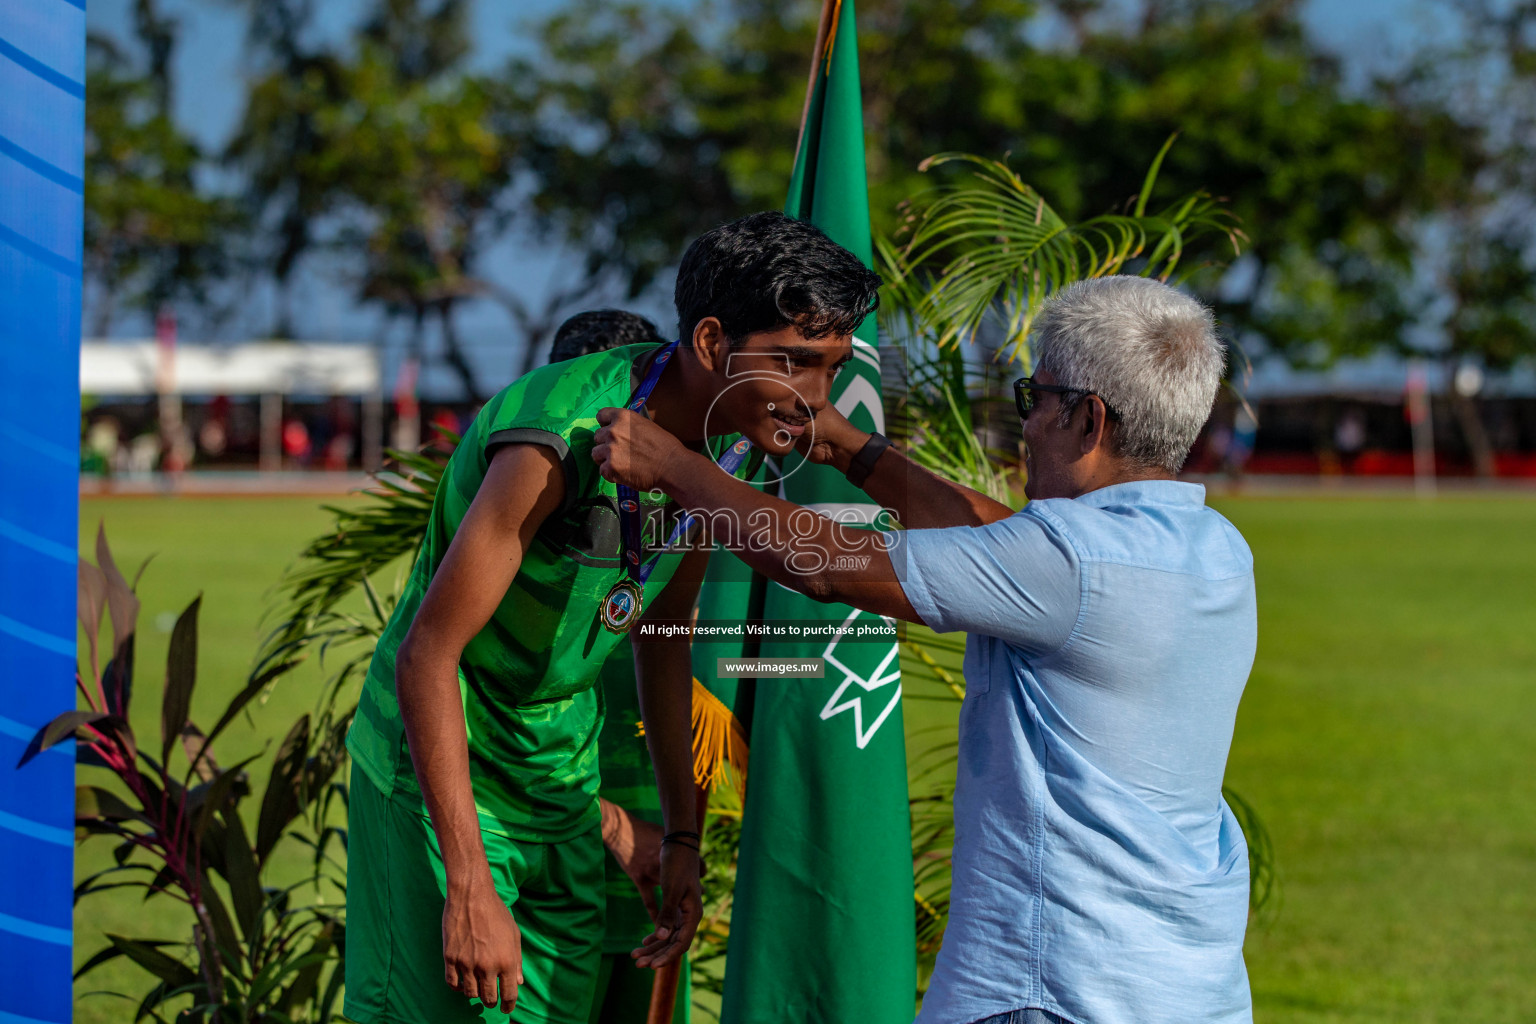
(829, 10)
(664, 985)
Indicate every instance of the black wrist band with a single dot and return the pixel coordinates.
(680, 841)
(682, 834)
(863, 463)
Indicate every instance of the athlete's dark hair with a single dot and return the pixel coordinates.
(767, 270)
(599, 330)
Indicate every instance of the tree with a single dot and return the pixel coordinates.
(659, 123)
(391, 156)
(1491, 282)
(283, 144)
(1480, 250)
(619, 171)
(665, 122)
(426, 166)
(150, 236)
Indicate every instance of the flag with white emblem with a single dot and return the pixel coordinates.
(822, 926)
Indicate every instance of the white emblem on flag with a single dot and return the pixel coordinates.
(888, 672)
(861, 391)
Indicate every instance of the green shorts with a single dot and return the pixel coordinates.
(395, 895)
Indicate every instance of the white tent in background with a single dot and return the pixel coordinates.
(270, 369)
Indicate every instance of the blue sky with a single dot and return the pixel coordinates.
(210, 67)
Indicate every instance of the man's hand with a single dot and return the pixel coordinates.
(630, 449)
(832, 440)
(636, 844)
(682, 904)
(481, 946)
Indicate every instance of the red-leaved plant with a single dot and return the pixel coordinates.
(254, 955)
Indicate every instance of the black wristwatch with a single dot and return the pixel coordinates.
(863, 463)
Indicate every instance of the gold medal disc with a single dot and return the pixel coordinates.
(621, 607)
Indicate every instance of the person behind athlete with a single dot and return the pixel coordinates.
(475, 888)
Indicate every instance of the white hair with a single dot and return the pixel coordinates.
(1149, 351)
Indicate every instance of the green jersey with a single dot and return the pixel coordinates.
(527, 677)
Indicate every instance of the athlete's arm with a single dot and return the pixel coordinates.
(636, 847)
(921, 499)
(522, 486)
(664, 674)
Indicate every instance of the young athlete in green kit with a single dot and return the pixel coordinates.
(475, 878)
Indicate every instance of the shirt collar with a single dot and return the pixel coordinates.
(1146, 492)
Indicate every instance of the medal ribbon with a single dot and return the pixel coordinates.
(629, 498)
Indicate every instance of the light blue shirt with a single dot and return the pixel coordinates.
(1098, 873)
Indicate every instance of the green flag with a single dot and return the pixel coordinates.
(822, 925)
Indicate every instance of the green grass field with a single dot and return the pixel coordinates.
(1384, 737)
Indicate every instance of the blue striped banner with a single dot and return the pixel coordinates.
(42, 133)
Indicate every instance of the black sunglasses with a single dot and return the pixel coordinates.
(1025, 387)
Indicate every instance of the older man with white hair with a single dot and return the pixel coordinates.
(1099, 877)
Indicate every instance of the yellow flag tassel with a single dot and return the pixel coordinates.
(719, 745)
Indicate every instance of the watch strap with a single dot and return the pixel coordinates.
(863, 463)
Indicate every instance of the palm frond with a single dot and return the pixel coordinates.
(1263, 881)
(935, 418)
(362, 541)
(992, 247)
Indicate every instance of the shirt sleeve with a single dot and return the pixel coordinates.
(1018, 579)
(557, 411)
(570, 469)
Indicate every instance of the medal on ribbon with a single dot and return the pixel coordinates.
(622, 606)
